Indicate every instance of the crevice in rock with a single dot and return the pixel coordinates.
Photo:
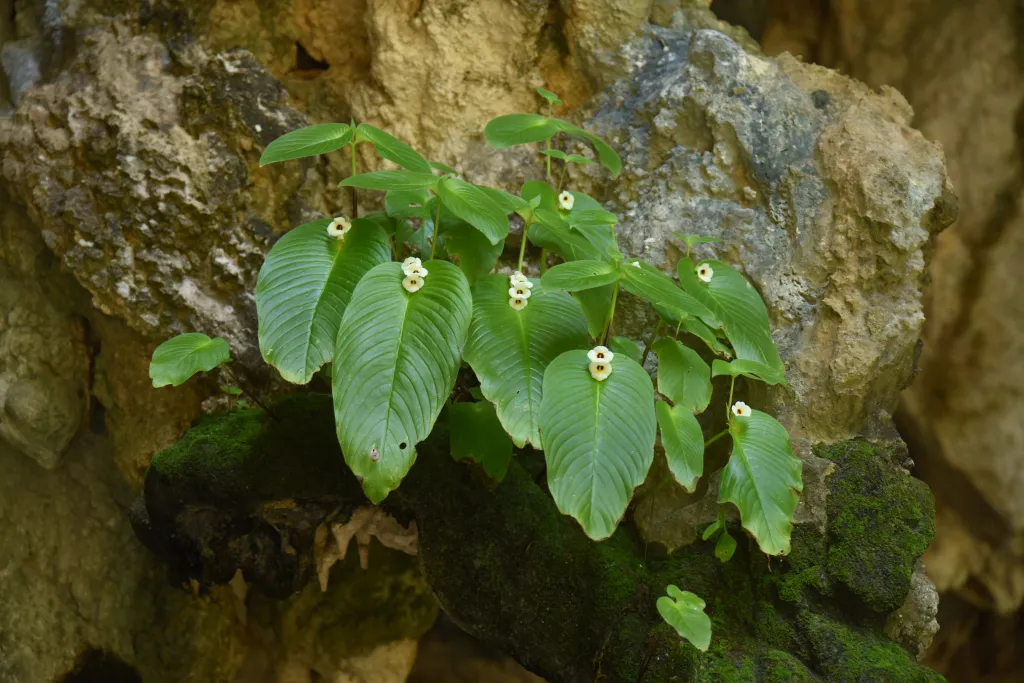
(99, 666)
(305, 62)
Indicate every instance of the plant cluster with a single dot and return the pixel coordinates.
(397, 301)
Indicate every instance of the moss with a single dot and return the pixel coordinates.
(880, 522)
(846, 654)
(777, 666)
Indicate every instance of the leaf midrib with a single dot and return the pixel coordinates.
(520, 319)
(745, 461)
(316, 310)
(406, 304)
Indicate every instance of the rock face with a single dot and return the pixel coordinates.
(132, 158)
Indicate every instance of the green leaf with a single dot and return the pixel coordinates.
(551, 231)
(739, 308)
(697, 328)
(690, 240)
(550, 97)
(683, 441)
(397, 356)
(747, 368)
(177, 359)
(519, 129)
(762, 479)
(595, 304)
(598, 438)
(509, 350)
(230, 391)
(576, 275)
(567, 158)
(555, 154)
(473, 205)
(626, 347)
(608, 157)
(506, 200)
(303, 288)
(590, 219)
(408, 203)
(726, 547)
(390, 180)
(438, 166)
(477, 255)
(712, 529)
(393, 149)
(477, 435)
(307, 142)
(647, 282)
(683, 376)
(684, 612)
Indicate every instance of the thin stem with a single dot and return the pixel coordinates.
(355, 199)
(522, 247)
(543, 261)
(611, 315)
(561, 179)
(548, 158)
(251, 395)
(437, 227)
(728, 406)
(650, 341)
(716, 437)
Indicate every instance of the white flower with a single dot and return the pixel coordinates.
(740, 409)
(339, 227)
(705, 272)
(519, 292)
(412, 283)
(413, 266)
(518, 304)
(417, 270)
(600, 370)
(566, 200)
(517, 279)
(635, 264)
(600, 354)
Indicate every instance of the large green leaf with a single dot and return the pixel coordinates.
(683, 441)
(509, 350)
(395, 362)
(626, 347)
(739, 308)
(608, 157)
(684, 612)
(476, 254)
(598, 438)
(591, 220)
(574, 276)
(551, 230)
(506, 200)
(390, 180)
(762, 479)
(393, 149)
(683, 376)
(646, 281)
(179, 358)
(748, 368)
(519, 129)
(303, 288)
(477, 435)
(473, 205)
(307, 142)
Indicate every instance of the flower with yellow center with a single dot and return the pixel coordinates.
(412, 283)
(600, 354)
(740, 409)
(339, 227)
(517, 304)
(566, 200)
(519, 292)
(705, 272)
(600, 370)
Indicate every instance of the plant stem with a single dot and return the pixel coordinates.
(716, 437)
(522, 247)
(561, 179)
(650, 341)
(548, 158)
(251, 395)
(355, 200)
(728, 406)
(543, 261)
(611, 315)
(437, 228)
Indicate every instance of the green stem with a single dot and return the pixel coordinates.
(728, 406)
(548, 158)
(437, 228)
(611, 315)
(561, 179)
(716, 437)
(234, 378)
(522, 247)
(355, 200)
(650, 341)
(543, 261)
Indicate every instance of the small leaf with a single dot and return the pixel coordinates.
(408, 203)
(739, 308)
(725, 548)
(477, 255)
(683, 441)
(477, 434)
(697, 328)
(550, 97)
(231, 391)
(608, 157)
(712, 529)
(393, 149)
(590, 219)
(179, 358)
(397, 356)
(555, 154)
(303, 288)
(509, 350)
(690, 240)
(598, 438)
(473, 205)
(551, 231)
(747, 368)
(684, 612)
(647, 282)
(506, 200)
(307, 142)
(519, 129)
(683, 376)
(581, 160)
(576, 275)
(762, 479)
(626, 347)
(437, 165)
(390, 180)
(567, 158)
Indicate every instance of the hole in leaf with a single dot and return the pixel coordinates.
(402, 446)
